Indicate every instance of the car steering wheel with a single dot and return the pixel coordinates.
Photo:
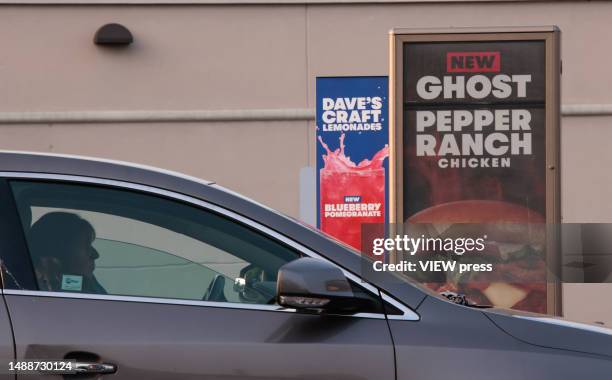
(215, 290)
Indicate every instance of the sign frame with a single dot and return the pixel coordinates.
(551, 37)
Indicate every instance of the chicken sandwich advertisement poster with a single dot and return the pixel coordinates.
(474, 151)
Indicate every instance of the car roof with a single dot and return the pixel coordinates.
(38, 162)
(62, 164)
(82, 166)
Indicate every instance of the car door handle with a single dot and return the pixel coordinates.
(86, 367)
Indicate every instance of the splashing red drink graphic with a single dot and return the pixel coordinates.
(351, 194)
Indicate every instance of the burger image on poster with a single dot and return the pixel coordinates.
(514, 244)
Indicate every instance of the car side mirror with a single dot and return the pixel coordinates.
(317, 286)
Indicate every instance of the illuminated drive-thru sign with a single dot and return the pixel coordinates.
(475, 139)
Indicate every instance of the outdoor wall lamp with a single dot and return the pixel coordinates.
(113, 34)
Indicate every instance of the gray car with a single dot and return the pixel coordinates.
(133, 272)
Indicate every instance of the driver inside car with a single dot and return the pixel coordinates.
(257, 285)
(63, 255)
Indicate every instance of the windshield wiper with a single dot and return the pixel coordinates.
(461, 299)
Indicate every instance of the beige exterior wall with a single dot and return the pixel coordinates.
(263, 159)
(207, 57)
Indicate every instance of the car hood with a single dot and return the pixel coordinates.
(547, 331)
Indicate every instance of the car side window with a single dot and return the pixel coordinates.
(102, 240)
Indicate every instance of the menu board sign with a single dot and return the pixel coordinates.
(475, 141)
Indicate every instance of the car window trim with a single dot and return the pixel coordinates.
(407, 313)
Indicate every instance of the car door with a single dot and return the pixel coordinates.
(145, 283)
